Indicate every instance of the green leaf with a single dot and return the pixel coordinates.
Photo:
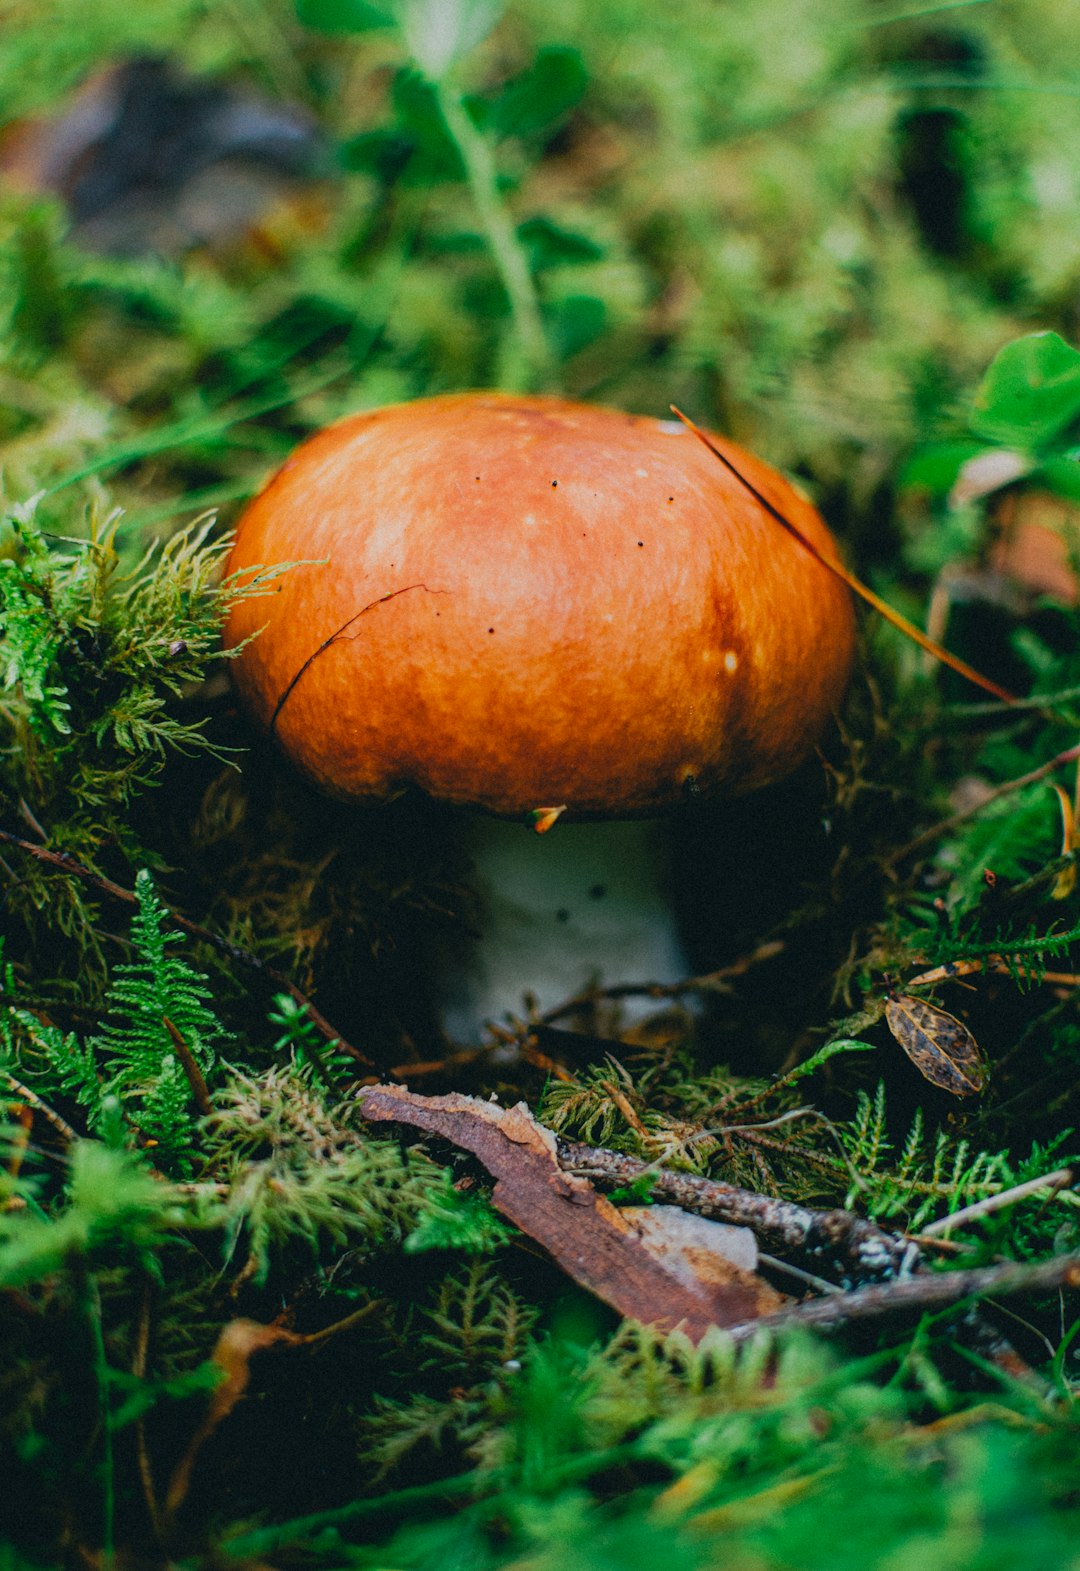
(456, 1220)
(420, 118)
(383, 153)
(576, 322)
(840, 1044)
(549, 245)
(344, 16)
(111, 1197)
(541, 96)
(638, 1192)
(935, 468)
(1062, 476)
(1030, 392)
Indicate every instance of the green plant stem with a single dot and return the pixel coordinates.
(92, 1300)
(538, 369)
(1043, 944)
(264, 1541)
(267, 1540)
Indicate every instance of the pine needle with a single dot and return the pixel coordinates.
(854, 584)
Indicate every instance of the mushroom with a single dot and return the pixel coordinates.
(548, 611)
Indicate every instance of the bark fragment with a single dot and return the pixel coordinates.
(650, 1272)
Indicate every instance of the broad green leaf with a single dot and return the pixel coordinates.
(541, 96)
(1062, 476)
(936, 468)
(382, 153)
(346, 16)
(549, 245)
(1030, 393)
(576, 322)
(420, 119)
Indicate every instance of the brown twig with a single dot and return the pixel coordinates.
(1000, 965)
(199, 1089)
(61, 1125)
(1054, 1182)
(708, 982)
(857, 1249)
(928, 1290)
(66, 863)
(946, 825)
(440, 1066)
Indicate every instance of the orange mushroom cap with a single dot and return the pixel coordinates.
(518, 603)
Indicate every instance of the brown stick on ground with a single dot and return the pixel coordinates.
(929, 1290)
(856, 1249)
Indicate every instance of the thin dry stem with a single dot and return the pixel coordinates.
(945, 826)
(67, 864)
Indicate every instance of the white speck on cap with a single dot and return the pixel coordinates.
(671, 427)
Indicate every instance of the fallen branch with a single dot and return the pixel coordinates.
(929, 1290)
(541, 1185)
(858, 1250)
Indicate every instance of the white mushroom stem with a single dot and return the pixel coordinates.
(581, 906)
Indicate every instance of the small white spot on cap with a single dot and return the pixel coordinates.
(731, 661)
(671, 427)
(642, 474)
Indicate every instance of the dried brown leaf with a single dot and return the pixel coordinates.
(941, 1047)
(1065, 882)
(236, 1345)
(232, 1356)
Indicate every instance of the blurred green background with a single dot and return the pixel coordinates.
(810, 226)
